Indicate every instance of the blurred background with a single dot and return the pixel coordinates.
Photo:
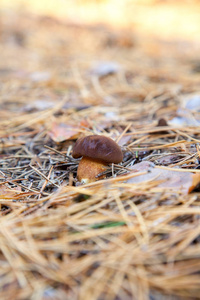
(55, 44)
(163, 18)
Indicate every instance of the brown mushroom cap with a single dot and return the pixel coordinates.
(98, 147)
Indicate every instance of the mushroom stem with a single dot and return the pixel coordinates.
(89, 168)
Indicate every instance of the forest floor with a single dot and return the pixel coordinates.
(136, 233)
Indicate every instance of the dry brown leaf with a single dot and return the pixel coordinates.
(84, 123)
(6, 193)
(62, 132)
(124, 140)
(179, 181)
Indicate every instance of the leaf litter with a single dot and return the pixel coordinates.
(133, 235)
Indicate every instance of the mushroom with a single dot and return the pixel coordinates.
(97, 152)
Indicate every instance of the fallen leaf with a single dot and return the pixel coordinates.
(85, 123)
(6, 193)
(124, 140)
(62, 132)
(178, 181)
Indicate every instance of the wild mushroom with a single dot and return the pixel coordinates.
(97, 152)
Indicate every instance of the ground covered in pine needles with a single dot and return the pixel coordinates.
(135, 234)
